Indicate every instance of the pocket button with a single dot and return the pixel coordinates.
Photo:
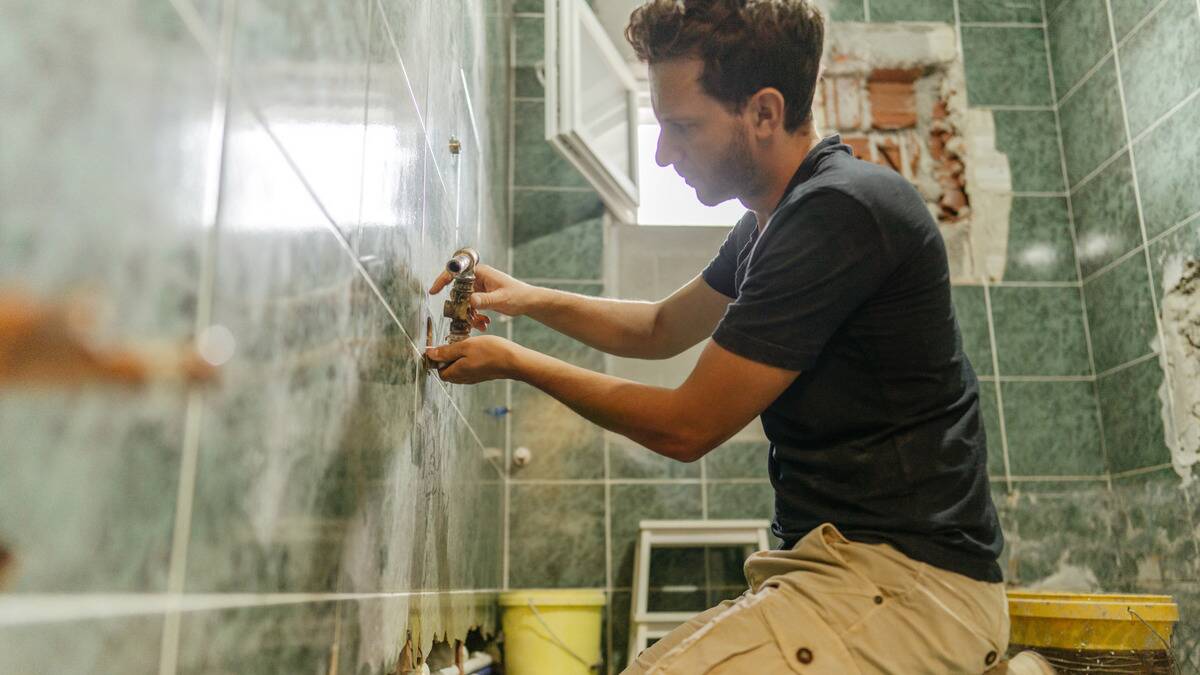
(804, 655)
(989, 659)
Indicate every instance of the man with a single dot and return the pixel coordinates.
(829, 311)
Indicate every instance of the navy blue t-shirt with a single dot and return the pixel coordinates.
(880, 434)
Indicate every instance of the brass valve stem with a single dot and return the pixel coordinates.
(458, 306)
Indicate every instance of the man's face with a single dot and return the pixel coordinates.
(708, 145)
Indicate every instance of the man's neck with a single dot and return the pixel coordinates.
(779, 171)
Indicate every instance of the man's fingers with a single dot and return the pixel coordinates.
(446, 353)
(440, 282)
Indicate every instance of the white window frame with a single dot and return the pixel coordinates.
(617, 187)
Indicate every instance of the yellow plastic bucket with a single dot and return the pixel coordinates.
(551, 632)
(1091, 622)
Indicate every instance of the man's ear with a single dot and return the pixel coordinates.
(766, 108)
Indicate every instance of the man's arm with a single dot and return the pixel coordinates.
(721, 396)
(645, 330)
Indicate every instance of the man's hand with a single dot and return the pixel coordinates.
(494, 290)
(474, 360)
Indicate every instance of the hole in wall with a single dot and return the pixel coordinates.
(1179, 393)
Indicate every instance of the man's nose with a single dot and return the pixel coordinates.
(664, 154)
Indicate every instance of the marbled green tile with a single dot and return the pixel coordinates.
(526, 83)
(1039, 331)
(1168, 162)
(1005, 66)
(557, 234)
(1127, 13)
(541, 338)
(618, 652)
(1169, 254)
(1092, 124)
(1053, 6)
(564, 444)
(547, 549)
(738, 459)
(629, 460)
(989, 410)
(1078, 40)
(530, 40)
(1169, 37)
(536, 162)
(1071, 527)
(1157, 537)
(112, 645)
(912, 10)
(1106, 216)
(1009, 11)
(1030, 139)
(1120, 313)
(1053, 429)
(1133, 428)
(529, 6)
(741, 500)
(1039, 241)
(632, 503)
(289, 638)
(970, 308)
(844, 10)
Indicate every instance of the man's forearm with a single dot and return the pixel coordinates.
(618, 327)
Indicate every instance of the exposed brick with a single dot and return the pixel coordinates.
(893, 104)
(859, 145)
(848, 102)
(889, 154)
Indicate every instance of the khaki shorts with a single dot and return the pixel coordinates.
(834, 607)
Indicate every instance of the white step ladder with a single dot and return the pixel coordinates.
(645, 625)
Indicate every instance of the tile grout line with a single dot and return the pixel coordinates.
(1087, 326)
(867, 11)
(1137, 196)
(220, 54)
(1127, 365)
(508, 327)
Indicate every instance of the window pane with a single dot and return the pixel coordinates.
(667, 199)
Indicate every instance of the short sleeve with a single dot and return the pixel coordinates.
(721, 270)
(810, 270)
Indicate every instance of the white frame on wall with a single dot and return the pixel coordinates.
(565, 131)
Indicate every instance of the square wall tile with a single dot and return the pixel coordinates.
(754, 500)
(1030, 139)
(1127, 13)
(564, 445)
(1005, 66)
(556, 536)
(1053, 429)
(1168, 165)
(1158, 536)
(1133, 428)
(1120, 313)
(126, 645)
(1008, 11)
(1078, 40)
(526, 83)
(989, 410)
(535, 162)
(627, 459)
(635, 502)
(530, 40)
(1039, 241)
(1075, 524)
(1106, 216)
(738, 459)
(1040, 331)
(1152, 87)
(529, 6)
(970, 309)
(844, 10)
(1092, 124)
(912, 10)
(557, 234)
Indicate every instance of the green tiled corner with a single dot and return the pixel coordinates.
(1006, 66)
(970, 308)
(912, 10)
(557, 234)
(1030, 139)
(1078, 40)
(1008, 11)
(1160, 64)
(1127, 13)
(989, 410)
(1093, 126)
(564, 445)
(1053, 429)
(634, 502)
(1120, 313)
(1106, 217)
(1133, 428)
(1039, 331)
(1168, 164)
(549, 549)
(1039, 241)
(530, 41)
(737, 459)
(535, 162)
(845, 10)
(629, 460)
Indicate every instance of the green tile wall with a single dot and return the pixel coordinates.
(303, 199)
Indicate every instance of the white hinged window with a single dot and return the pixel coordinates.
(591, 104)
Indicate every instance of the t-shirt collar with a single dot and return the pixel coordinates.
(808, 167)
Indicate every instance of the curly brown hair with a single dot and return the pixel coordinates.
(746, 45)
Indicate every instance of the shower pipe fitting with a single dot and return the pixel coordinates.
(457, 307)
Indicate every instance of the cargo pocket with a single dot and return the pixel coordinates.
(806, 643)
